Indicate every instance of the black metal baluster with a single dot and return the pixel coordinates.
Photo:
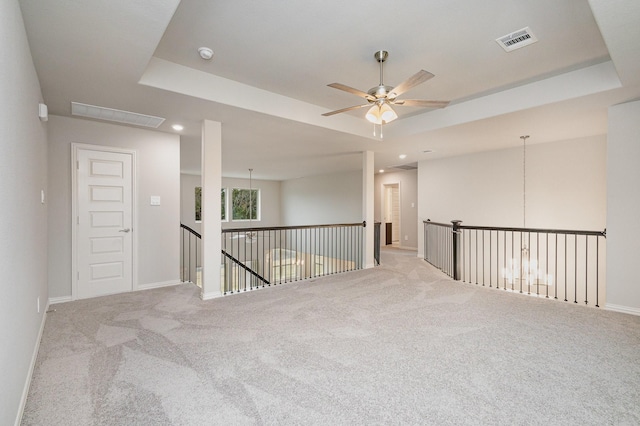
(528, 263)
(537, 264)
(565, 268)
(575, 265)
(546, 262)
(504, 259)
(555, 276)
(189, 259)
(586, 269)
(490, 257)
(597, 270)
(521, 262)
(464, 268)
(476, 257)
(470, 266)
(513, 269)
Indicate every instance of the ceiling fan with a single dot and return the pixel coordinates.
(381, 97)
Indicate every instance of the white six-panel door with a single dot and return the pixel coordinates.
(104, 222)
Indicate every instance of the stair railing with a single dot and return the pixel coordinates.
(568, 265)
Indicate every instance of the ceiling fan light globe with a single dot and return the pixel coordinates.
(387, 114)
(373, 115)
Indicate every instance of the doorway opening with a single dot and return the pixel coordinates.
(392, 214)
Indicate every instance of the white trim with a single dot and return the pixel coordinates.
(383, 188)
(623, 309)
(74, 211)
(61, 299)
(159, 284)
(211, 296)
(32, 365)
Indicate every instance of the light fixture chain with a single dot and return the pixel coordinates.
(524, 180)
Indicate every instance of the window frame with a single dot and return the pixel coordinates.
(258, 202)
(224, 204)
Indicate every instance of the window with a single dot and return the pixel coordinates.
(198, 203)
(244, 204)
(223, 207)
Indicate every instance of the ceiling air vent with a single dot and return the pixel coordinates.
(410, 166)
(517, 39)
(109, 114)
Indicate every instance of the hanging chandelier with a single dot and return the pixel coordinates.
(525, 269)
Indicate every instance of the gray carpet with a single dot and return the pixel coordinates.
(398, 344)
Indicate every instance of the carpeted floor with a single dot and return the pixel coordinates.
(398, 344)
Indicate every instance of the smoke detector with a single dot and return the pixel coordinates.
(517, 39)
(205, 53)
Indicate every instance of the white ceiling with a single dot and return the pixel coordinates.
(267, 82)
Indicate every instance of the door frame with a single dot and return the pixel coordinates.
(384, 202)
(75, 147)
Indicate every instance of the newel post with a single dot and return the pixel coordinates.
(456, 241)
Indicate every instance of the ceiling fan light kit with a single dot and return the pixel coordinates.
(381, 114)
(381, 97)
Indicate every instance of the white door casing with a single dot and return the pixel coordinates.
(103, 219)
(391, 207)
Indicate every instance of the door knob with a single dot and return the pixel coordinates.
(125, 230)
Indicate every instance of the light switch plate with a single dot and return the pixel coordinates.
(155, 200)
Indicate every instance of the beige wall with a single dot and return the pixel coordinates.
(566, 187)
(157, 173)
(318, 200)
(23, 218)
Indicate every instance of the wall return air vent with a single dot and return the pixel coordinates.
(517, 39)
(119, 116)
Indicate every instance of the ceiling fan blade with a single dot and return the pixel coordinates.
(327, 114)
(421, 103)
(418, 78)
(351, 90)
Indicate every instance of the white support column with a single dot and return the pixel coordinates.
(211, 210)
(367, 207)
(623, 203)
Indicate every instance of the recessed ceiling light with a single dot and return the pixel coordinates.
(205, 53)
(177, 127)
(402, 156)
(381, 170)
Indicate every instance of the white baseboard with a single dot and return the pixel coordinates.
(32, 366)
(209, 296)
(61, 299)
(159, 285)
(623, 309)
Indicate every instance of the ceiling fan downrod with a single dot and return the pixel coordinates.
(381, 56)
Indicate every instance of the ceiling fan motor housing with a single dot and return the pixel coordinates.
(380, 91)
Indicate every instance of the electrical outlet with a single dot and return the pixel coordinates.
(38, 300)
